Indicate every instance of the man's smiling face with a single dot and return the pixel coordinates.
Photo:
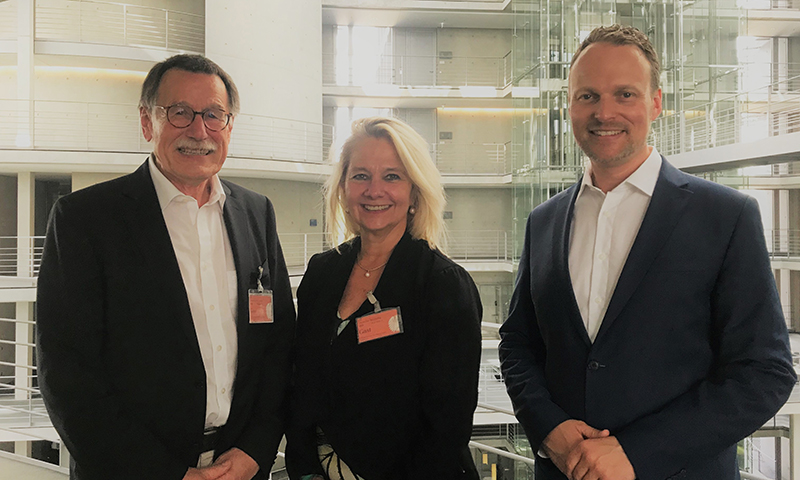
(612, 103)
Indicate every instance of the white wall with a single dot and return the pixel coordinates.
(272, 49)
(83, 180)
(471, 42)
(296, 203)
(479, 209)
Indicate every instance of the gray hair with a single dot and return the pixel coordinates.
(191, 64)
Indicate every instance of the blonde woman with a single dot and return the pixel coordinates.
(388, 343)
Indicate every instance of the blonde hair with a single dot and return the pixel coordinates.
(427, 194)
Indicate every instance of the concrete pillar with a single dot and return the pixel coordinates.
(23, 357)
(25, 73)
(25, 211)
(63, 455)
(272, 49)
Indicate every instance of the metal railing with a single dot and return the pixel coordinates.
(416, 70)
(783, 244)
(14, 249)
(108, 23)
(767, 111)
(88, 126)
(8, 20)
(484, 158)
(490, 245)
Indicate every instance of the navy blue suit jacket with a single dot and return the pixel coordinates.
(692, 354)
(119, 362)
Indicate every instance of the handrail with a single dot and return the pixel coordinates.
(758, 113)
(8, 19)
(112, 23)
(95, 126)
(416, 70)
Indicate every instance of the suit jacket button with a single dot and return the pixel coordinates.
(594, 365)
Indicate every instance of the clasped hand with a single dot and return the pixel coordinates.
(582, 452)
(231, 465)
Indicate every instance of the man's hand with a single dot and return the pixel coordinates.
(565, 438)
(240, 466)
(212, 472)
(599, 459)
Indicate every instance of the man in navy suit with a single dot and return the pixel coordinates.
(645, 336)
(165, 316)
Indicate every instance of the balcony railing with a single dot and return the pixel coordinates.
(767, 111)
(20, 256)
(416, 70)
(483, 245)
(119, 24)
(464, 245)
(483, 159)
(83, 126)
(8, 20)
(783, 244)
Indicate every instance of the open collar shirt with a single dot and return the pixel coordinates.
(205, 258)
(604, 227)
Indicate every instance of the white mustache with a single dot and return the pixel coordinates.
(190, 145)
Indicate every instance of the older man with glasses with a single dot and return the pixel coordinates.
(165, 314)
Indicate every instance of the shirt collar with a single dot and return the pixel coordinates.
(167, 192)
(643, 178)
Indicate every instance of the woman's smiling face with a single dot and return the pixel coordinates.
(377, 187)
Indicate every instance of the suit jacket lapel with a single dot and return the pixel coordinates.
(246, 262)
(561, 260)
(667, 205)
(150, 235)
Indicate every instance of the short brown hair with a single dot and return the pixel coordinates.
(624, 35)
(188, 63)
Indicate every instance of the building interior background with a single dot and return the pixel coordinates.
(483, 81)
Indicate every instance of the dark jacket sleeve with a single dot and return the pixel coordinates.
(105, 440)
(448, 374)
(263, 434)
(752, 376)
(301, 435)
(522, 359)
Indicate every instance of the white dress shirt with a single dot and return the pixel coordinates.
(205, 258)
(604, 226)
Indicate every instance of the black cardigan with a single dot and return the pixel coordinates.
(398, 407)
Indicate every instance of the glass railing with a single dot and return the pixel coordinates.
(759, 113)
(416, 70)
(87, 126)
(108, 23)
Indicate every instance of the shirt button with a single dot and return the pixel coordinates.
(598, 300)
(219, 348)
(222, 391)
(211, 308)
(602, 256)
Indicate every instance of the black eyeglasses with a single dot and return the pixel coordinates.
(181, 116)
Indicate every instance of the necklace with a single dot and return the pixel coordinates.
(367, 271)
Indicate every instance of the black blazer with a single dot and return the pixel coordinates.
(398, 407)
(119, 363)
(692, 354)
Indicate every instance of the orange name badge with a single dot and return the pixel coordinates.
(261, 306)
(379, 325)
